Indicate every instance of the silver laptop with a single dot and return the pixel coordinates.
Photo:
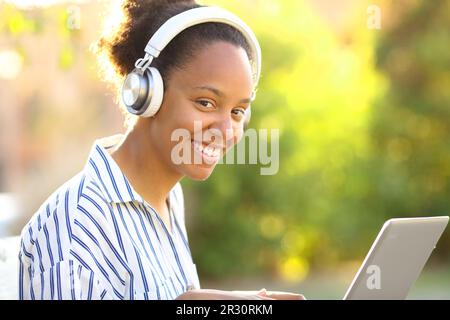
(396, 258)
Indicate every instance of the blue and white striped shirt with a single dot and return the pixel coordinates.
(96, 238)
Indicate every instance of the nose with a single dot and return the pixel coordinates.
(223, 124)
(227, 128)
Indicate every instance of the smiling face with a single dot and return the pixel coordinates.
(209, 94)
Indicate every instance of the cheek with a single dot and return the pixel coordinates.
(184, 115)
(178, 127)
(238, 133)
(175, 116)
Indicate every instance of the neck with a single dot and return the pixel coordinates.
(148, 173)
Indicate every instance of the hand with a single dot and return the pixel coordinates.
(279, 295)
(211, 294)
(263, 294)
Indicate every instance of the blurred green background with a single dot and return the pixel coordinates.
(364, 120)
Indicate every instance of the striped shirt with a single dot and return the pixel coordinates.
(96, 238)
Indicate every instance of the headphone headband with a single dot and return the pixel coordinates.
(176, 24)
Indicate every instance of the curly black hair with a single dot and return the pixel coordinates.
(119, 47)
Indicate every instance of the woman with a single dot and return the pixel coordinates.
(116, 230)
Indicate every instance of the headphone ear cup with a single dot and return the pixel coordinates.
(248, 115)
(135, 92)
(155, 92)
(142, 94)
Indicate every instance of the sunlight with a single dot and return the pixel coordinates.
(294, 269)
(11, 63)
(26, 4)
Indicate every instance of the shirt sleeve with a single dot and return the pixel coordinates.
(74, 258)
(66, 280)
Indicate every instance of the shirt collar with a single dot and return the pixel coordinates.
(105, 172)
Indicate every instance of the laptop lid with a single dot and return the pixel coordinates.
(396, 258)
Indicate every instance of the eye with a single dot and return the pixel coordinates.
(206, 104)
(239, 112)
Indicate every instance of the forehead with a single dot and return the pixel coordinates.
(220, 63)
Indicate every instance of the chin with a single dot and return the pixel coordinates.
(204, 167)
(198, 172)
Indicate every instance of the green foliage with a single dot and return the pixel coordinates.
(362, 139)
(410, 126)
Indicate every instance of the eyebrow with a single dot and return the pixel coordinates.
(219, 93)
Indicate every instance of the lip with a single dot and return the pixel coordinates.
(213, 145)
(207, 159)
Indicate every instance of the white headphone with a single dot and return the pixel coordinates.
(143, 88)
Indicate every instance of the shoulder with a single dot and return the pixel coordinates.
(62, 199)
(51, 226)
(45, 239)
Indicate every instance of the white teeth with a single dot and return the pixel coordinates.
(209, 151)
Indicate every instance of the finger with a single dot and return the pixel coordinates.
(250, 295)
(285, 295)
(248, 292)
(259, 297)
(262, 292)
